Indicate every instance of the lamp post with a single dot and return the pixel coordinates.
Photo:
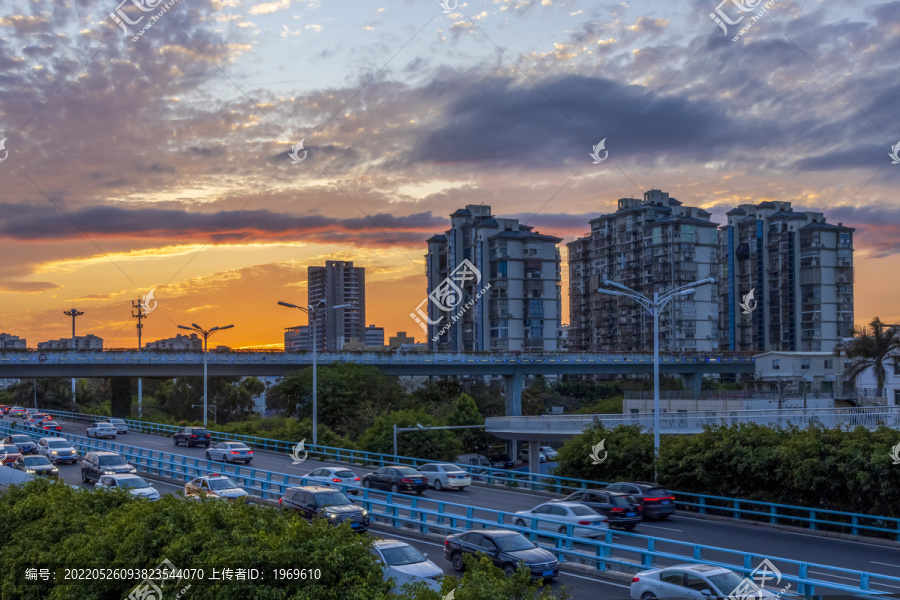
(655, 307)
(312, 311)
(205, 333)
(73, 313)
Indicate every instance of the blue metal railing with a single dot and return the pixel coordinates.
(857, 524)
(433, 516)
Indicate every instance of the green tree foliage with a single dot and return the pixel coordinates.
(350, 396)
(440, 444)
(286, 428)
(871, 348)
(53, 526)
(465, 411)
(844, 470)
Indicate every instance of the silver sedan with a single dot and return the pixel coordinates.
(445, 475)
(230, 452)
(333, 477)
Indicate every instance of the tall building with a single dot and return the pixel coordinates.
(297, 339)
(374, 336)
(179, 342)
(338, 283)
(81, 342)
(651, 246)
(12, 342)
(493, 285)
(800, 270)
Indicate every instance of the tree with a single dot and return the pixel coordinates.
(871, 348)
(344, 390)
(465, 412)
(439, 444)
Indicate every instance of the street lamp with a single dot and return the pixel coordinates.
(655, 307)
(312, 311)
(205, 333)
(72, 313)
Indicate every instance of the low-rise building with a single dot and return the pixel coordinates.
(80, 342)
(179, 342)
(12, 342)
(817, 374)
(297, 339)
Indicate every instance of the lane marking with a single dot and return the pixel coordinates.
(661, 527)
(875, 562)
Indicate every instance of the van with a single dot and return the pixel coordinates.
(477, 460)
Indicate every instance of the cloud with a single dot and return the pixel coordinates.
(27, 287)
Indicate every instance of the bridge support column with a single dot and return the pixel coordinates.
(693, 382)
(534, 457)
(513, 385)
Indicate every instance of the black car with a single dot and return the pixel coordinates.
(36, 465)
(506, 548)
(656, 501)
(396, 478)
(330, 504)
(23, 442)
(192, 436)
(103, 462)
(501, 461)
(621, 509)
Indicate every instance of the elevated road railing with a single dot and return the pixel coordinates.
(815, 519)
(695, 421)
(440, 517)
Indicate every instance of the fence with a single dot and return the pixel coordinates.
(440, 517)
(857, 524)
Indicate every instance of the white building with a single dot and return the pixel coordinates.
(12, 342)
(81, 342)
(817, 374)
(179, 342)
(867, 386)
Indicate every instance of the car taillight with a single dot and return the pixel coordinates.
(406, 480)
(357, 479)
(618, 510)
(235, 452)
(279, 501)
(585, 523)
(193, 435)
(249, 451)
(446, 542)
(335, 479)
(636, 579)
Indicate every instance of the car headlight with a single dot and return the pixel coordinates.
(365, 513)
(331, 515)
(29, 470)
(54, 452)
(109, 472)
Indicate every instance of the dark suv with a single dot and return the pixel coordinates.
(656, 501)
(621, 509)
(328, 503)
(23, 442)
(103, 462)
(192, 436)
(505, 548)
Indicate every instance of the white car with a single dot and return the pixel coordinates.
(102, 429)
(333, 477)
(215, 486)
(523, 455)
(554, 516)
(694, 582)
(120, 425)
(549, 452)
(445, 475)
(404, 564)
(57, 450)
(135, 484)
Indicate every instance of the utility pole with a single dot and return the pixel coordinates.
(140, 316)
(73, 313)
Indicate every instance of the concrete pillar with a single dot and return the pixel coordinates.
(693, 382)
(513, 385)
(534, 457)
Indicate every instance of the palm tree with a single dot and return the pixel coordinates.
(871, 348)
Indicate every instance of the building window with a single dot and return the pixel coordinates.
(804, 364)
(827, 364)
(844, 237)
(896, 397)
(775, 364)
(536, 309)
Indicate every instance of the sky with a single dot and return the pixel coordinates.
(155, 154)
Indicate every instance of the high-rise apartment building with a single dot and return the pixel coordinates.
(338, 283)
(650, 246)
(493, 285)
(800, 270)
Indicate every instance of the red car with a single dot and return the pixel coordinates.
(11, 452)
(50, 426)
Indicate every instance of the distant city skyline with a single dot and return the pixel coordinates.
(173, 163)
